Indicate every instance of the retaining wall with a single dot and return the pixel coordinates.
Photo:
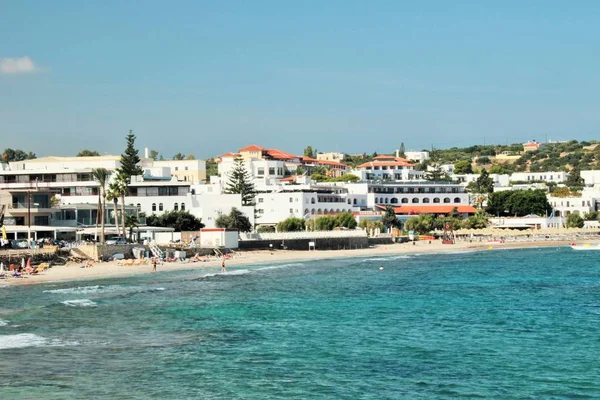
(302, 244)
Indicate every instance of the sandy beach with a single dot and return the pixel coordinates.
(73, 272)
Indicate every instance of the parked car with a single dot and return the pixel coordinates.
(117, 240)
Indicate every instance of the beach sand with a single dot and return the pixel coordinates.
(73, 272)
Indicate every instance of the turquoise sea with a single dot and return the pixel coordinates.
(501, 324)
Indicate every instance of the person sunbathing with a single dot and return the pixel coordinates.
(89, 264)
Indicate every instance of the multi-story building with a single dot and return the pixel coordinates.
(305, 201)
(61, 192)
(271, 165)
(587, 202)
(550, 176)
(387, 168)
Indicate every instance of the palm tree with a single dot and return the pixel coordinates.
(112, 194)
(131, 221)
(101, 176)
(121, 187)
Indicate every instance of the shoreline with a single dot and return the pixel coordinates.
(108, 270)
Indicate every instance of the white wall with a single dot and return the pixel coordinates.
(539, 176)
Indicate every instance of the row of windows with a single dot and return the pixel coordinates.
(415, 200)
(583, 203)
(384, 168)
(415, 190)
(161, 208)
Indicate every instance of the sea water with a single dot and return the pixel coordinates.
(500, 324)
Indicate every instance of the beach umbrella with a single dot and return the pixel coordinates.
(23, 263)
(28, 262)
(4, 232)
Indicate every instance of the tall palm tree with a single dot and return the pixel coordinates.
(112, 194)
(131, 221)
(101, 176)
(121, 187)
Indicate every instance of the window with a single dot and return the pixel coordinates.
(175, 207)
(139, 207)
(436, 199)
(153, 206)
(415, 200)
(271, 171)
(426, 200)
(312, 201)
(160, 206)
(176, 168)
(404, 200)
(457, 199)
(394, 200)
(182, 206)
(291, 210)
(260, 171)
(186, 168)
(446, 200)
(354, 201)
(260, 200)
(291, 199)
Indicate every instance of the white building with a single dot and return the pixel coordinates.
(387, 168)
(268, 166)
(591, 178)
(64, 186)
(554, 176)
(417, 156)
(499, 180)
(587, 202)
(274, 207)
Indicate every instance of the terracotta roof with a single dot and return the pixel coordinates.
(387, 158)
(432, 209)
(280, 155)
(289, 178)
(398, 162)
(231, 155)
(252, 147)
(324, 162)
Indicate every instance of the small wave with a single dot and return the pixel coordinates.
(236, 272)
(79, 303)
(228, 273)
(78, 290)
(3, 322)
(21, 340)
(159, 289)
(279, 266)
(388, 258)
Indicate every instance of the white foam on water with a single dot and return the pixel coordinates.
(79, 303)
(3, 322)
(79, 289)
(387, 258)
(236, 272)
(21, 340)
(159, 289)
(279, 266)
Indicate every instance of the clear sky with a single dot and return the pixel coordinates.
(210, 77)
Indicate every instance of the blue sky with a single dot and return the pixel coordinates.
(210, 77)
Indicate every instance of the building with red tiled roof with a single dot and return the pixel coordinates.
(388, 168)
(251, 148)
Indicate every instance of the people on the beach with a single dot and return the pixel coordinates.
(153, 264)
(223, 265)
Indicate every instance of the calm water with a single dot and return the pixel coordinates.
(496, 324)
